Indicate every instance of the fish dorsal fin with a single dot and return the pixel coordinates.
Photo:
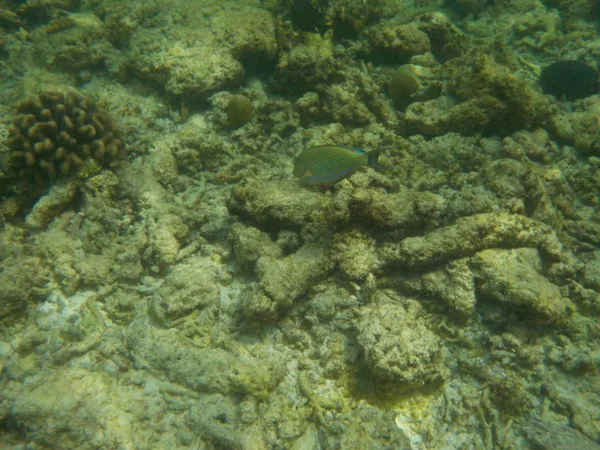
(357, 150)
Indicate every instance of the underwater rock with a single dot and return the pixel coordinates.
(165, 234)
(190, 73)
(453, 284)
(345, 103)
(408, 209)
(96, 245)
(436, 117)
(591, 271)
(256, 307)
(471, 234)
(492, 97)
(333, 304)
(350, 17)
(250, 244)
(514, 277)
(191, 286)
(305, 65)
(365, 428)
(578, 128)
(74, 43)
(163, 164)
(52, 204)
(75, 400)
(396, 43)
(551, 436)
(175, 358)
(398, 342)
(446, 39)
(22, 279)
(268, 202)
(285, 279)
(355, 253)
(56, 134)
(444, 115)
(569, 79)
(207, 52)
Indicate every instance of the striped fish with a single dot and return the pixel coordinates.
(325, 165)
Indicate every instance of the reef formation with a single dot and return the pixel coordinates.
(196, 295)
(57, 133)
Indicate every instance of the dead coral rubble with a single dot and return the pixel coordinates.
(57, 133)
(399, 343)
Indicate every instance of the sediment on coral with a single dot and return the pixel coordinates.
(56, 134)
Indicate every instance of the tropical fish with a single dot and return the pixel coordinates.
(327, 164)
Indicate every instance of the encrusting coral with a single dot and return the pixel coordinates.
(57, 133)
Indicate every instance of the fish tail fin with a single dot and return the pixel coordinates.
(373, 157)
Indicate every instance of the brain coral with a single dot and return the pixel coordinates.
(57, 133)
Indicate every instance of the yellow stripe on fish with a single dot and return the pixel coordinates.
(327, 164)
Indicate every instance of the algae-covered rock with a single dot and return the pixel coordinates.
(556, 436)
(186, 71)
(453, 284)
(399, 343)
(203, 369)
(73, 43)
(250, 244)
(578, 127)
(257, 307)
(204, 53)
(23, 279)
(515, 277)
(444, 114)
(487, 97)
(163, 164)
(283, 280)
(97, 245)
(75, 401)
(345, 103)
(191, 286)
(52, 204)
(446, 39)
(355, 253)
(509, 101)
(349, 17)
(407, 209)
(367, 428)
(397, 43)
(472, 234)
(306, 64)
(165, 235)
(333, 303)
(269, 202)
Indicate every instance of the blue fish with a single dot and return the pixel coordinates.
(325, 165)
